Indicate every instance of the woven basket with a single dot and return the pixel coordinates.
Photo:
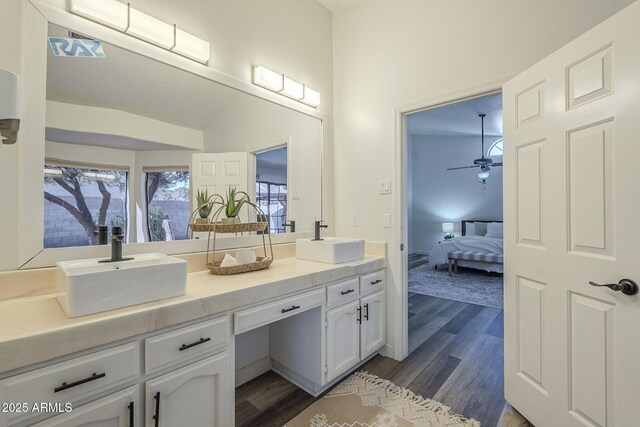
(241, 227)
(260, 264)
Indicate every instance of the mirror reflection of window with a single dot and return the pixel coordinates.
(168, 208)
(78, 198)
(271, 186)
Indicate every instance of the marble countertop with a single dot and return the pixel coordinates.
(34, 329)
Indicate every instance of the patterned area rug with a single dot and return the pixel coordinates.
(468, 285)
(364, 400)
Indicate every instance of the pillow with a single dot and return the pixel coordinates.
(494, 230)
(481, 228)
(470, 229)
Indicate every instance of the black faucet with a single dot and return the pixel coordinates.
(319, 225)
(103, 234)
(117, 236)
(291, 224)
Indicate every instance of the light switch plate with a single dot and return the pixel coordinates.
(355, 220)
(384, 186)
(386, 220)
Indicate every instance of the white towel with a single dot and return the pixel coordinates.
(245, 256)
(229, 261)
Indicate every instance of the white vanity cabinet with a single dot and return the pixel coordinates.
(198, 395)
(117, 410)
(355, 330)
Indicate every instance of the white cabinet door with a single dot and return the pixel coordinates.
(373, 325)
(571, 186)
(116, 410)
(343, 339)
(198, 395)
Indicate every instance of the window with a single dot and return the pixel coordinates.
(495, 149)
(79, 197)
(272, 200)
(168, 208)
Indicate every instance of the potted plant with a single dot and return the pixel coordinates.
(204, 207)
(233, 205)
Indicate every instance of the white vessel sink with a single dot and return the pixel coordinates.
(88, 286)
(331, 250)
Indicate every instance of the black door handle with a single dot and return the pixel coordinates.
(293, 307)
(156, 415)
(183, 347)
(366, 311)
(626, 286)
(131, 415)
(65, 385)
(359, 314)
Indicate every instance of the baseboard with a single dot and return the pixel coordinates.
(253, 370)
(420, 252)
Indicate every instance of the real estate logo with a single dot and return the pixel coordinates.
(76, 48)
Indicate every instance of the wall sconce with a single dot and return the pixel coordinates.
(124, 18)
(283, 85)
(9, 107)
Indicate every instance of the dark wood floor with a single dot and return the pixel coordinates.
(456, 357)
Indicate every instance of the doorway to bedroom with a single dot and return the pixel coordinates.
(454, 209)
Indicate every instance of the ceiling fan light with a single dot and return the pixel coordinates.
(482, 175)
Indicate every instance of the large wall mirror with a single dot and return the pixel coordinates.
(129, 140)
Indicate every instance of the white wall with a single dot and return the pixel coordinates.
(441, 196)
(106, 121)
(292, 36)
(391, 53)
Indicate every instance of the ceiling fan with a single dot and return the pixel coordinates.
(484, 163)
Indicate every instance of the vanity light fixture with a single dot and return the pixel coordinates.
(123, 17)
(283, 85)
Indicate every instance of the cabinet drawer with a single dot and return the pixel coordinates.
(251, 318)
(342, 292)
(372, 282)
(165, 349)
(71, 380)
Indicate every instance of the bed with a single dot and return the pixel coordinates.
(470, 241)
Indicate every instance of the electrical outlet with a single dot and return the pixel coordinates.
(384, 187)
(386, 220)
(355, 220)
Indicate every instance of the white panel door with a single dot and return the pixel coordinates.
(199, 395)
(217, 172)
(373, 324)
(116, 410)
(343, 338)
(572, 209)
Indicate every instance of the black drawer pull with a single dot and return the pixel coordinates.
(375, 282)
(193, 344)
(156, 413)
(293, 307)
(348, 291)
(131, 415)
(65, 385)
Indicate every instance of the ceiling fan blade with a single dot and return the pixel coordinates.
(496, 164)
(464, 167)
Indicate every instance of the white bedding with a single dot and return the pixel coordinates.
(438, 254)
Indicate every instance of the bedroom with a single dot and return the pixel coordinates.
(455, 216)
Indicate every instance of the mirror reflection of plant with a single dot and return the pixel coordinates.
(204, 205)
(234, 204)
(72, 181)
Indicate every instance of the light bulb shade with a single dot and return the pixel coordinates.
(191, 46)
(292, 89)
(447, 227)
(111, 13)
(311, 97)
(268, 79)
(483, 175)
(150, 29)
